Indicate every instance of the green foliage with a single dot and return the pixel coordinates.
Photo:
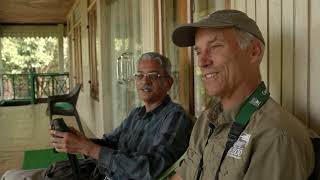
(20, 55)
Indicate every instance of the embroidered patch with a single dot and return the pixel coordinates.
(255, 102)
(236, 150)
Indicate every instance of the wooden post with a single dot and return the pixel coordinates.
(186, 82)
(60, 46)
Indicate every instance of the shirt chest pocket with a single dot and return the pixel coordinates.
(234, 165)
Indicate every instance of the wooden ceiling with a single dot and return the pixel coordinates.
(34, 11)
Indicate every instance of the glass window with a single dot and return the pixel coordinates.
(78, 72)
(169, 22)
(76, 14)
(92, 21)
(173, 13)
(124, 29)
(202, 8)
(66, 54)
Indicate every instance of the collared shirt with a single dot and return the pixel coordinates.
(274, 146)
(146, 143)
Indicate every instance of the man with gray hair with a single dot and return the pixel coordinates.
(147, 142)
(245, 134)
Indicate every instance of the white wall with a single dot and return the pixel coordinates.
(291, 62)
(89, 109)
(105, 77)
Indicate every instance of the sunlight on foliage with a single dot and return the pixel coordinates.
(21, 55)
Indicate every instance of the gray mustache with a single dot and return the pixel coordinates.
(146, 87)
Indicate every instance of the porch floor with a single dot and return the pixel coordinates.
(24, 128)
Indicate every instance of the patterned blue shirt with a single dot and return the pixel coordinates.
(146, 143)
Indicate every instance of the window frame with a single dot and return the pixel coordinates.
(92, 37)
(77, 49)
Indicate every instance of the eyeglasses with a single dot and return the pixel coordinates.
(153, 76)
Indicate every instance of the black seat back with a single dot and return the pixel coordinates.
(74, 93)
(316, 171)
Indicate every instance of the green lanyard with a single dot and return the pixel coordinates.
(252, 104)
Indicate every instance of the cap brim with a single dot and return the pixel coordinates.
(184, 35)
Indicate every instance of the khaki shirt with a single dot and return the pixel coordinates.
(274, 146)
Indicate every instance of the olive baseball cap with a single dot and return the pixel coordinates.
(184, 35)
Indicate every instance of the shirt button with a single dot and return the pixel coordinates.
(191, 153)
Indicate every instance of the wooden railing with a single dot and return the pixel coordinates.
(32, 87)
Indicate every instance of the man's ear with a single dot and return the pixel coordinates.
(256, 51)
(170, 82)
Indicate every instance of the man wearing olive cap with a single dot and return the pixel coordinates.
(265, 142)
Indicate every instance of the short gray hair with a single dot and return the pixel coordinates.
(162, 60)
(244, 39)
